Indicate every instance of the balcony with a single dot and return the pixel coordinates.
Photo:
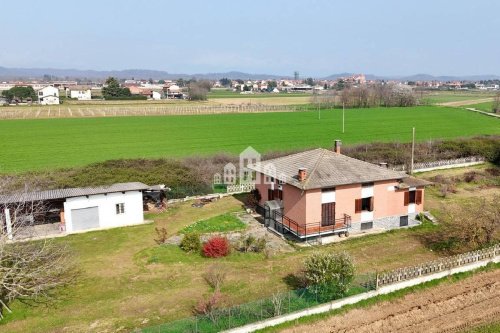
(283, 223)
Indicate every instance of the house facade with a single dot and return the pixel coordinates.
(324, 192)
(48, 96)
(81, 95)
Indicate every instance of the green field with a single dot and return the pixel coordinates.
(482, 106)
(452, 96)
(53, 143)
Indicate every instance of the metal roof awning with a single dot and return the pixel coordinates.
(71, 192)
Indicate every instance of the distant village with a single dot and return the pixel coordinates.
(49, 91)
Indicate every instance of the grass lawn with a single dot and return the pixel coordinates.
(452, 96)
(128, 281)
(220, 223)
(482, 106)
(49, 143)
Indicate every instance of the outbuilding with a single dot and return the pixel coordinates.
(72, 210)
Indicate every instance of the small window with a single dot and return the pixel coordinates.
(364, 204)
(120, 208)
(403, 221)
(367, 204)
(366, 225)
(413, 197)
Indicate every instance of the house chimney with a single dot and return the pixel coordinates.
(338, 143)
(383, 165)
(302, 174)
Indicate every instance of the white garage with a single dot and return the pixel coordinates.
(116, 206)
(80, 209)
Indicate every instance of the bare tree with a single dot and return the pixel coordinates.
(31, 271)
(496, 104)
(469, 225)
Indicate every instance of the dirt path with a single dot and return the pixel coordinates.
(446, 308)
(467, 102)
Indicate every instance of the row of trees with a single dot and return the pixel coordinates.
(20, 94)
(363, 96)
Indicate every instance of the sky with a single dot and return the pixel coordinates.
(315, 38)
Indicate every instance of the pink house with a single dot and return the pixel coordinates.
(319, 192)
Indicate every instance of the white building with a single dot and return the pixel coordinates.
(48, 95)
(81, 95)
(82, 209)
(155, 95)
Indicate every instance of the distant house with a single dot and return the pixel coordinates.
(81, 95)
(48, 95)
(320, 192)
(155, 95)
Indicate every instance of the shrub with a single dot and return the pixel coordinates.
(208, 305)
(216, 247)
(329, 274)
(467, 226)
(215, 276)
(191, 242)
(161, 234)
(248, 243)
(470, 176)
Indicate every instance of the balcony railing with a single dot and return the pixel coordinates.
(304, 230)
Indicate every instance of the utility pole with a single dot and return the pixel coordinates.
(412, 151)
(319, 110)
(343, 117)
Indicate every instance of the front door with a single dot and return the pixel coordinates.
(327, 214)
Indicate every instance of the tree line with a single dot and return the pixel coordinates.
(388, 95)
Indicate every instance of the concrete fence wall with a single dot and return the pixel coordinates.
(443, 164)
(444, 264)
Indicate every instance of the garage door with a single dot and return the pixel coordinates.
(85, 218)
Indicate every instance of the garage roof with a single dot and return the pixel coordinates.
(71, 192)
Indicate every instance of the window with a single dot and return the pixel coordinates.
(413, 197)
(120, 208)
(366, 225)
(403, 221)
(364, 204)
(270, 194)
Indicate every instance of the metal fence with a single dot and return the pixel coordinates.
(279, 304)
(407, 273)
(240, 188)
(437, 164)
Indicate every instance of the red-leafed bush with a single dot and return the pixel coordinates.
(216, 247)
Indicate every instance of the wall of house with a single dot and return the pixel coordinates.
(81, 95)
(387, 202)
(295, 205)
(107, 208)
(313, 206)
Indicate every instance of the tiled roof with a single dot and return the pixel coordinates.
(71, 192)
(325, 168)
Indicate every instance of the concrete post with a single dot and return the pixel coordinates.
(8, 223)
